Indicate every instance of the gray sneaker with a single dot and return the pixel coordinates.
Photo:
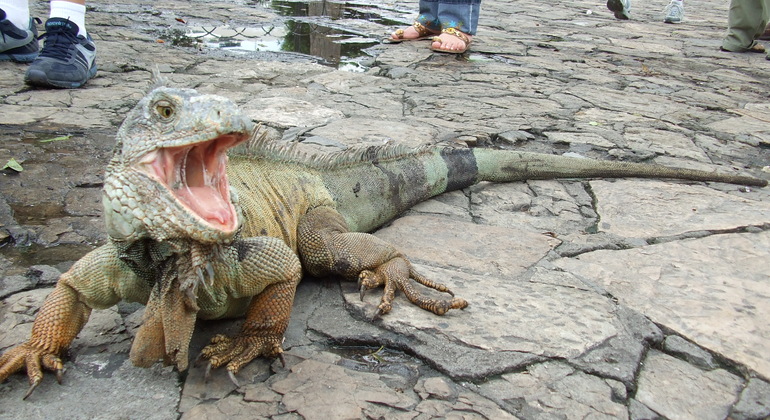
(16, 44)
(621, 8)
(674, 12)
(67, 59)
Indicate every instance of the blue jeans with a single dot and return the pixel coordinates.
(462, 15)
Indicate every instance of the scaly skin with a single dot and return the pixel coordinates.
(190, 241)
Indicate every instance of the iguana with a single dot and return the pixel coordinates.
(200, 228)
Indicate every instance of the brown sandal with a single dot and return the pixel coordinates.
(422, 31)
(756, 47)
(454, 32)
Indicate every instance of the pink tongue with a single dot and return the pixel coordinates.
(207, 203)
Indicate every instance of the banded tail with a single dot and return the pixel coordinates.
(380, 185)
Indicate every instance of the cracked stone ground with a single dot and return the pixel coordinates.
(630, 299)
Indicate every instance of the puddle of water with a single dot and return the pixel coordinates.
(309, 29)
(376, 360)
(27, 256)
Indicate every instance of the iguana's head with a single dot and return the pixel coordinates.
(167, 177)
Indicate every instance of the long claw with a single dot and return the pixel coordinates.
(59, 375)
(31, 388)
(233, 378)
(377, 314)
(198, 359)
(207, 373)
(361, 291)
(282, 359)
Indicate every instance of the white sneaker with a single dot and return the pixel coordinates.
(674, 12)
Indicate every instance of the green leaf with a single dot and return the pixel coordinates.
(13, 164)
(60, 138)
(594, 123)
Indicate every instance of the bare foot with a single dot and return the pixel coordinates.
(410, 33)
(452, 41)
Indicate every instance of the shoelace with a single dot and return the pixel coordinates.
(59, 44)
(673, 9)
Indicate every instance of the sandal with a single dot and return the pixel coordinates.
(756, 47)
(422, 33)
(454, 32)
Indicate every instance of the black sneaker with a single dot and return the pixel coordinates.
(67, 59)
(16, 44)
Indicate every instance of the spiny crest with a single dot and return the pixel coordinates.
(261, 147)
(157, 80)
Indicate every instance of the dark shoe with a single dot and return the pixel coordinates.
(621, 8)
(16, 44)
(67, 59)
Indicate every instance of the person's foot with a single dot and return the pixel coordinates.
(452, 41)
(674, 12)
(621, 8)
(16, 44)
(755, 47)
(67, 59)
(412, 33)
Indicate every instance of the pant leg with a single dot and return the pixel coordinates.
(429, 15)
(746, 20)
(462, 15)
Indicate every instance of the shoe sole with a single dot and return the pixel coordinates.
(19, 58)
(39, 78)
(616, 6)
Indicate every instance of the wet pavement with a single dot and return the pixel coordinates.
(630, 299)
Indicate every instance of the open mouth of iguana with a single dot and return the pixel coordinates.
(195, 175)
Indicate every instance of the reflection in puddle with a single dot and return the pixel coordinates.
(309, 30)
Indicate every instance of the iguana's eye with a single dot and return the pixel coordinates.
(164, 109)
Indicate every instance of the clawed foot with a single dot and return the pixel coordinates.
(35, 360)
(238, 351)
(394, 276)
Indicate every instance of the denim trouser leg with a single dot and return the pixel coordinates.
(429, 15)
(462, 15)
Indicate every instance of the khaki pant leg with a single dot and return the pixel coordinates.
(746, 20)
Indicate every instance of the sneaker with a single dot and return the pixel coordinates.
(621, 8)
(67, 59)
(16, 44)
(674, 12)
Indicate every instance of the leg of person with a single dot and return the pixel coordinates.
(425, 26)
(746, 20)
(459, 21)
(68, 57)
(674, 12)
(766, 34)
(621, 8)
(18, 33)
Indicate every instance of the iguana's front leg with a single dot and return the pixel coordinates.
(326, 246)
(98, 280)
(269, 270)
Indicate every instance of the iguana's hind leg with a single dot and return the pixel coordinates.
(326, 246)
